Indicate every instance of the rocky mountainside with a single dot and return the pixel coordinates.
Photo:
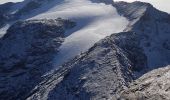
(27, 50)
(97, 74)
(109, 70)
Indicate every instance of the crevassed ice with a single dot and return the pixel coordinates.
(94, 22)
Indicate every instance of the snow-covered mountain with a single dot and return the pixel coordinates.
(83, 50)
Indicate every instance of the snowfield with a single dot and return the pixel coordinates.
(94, 22)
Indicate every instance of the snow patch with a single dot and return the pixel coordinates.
(3, 30)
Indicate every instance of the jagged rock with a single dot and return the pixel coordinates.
(154, 85)
(27, 51)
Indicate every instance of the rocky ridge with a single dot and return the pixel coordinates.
(100, 73)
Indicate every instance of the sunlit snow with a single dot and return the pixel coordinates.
(94, 22)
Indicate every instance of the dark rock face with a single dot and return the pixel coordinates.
(27, 51)
(130, 43)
